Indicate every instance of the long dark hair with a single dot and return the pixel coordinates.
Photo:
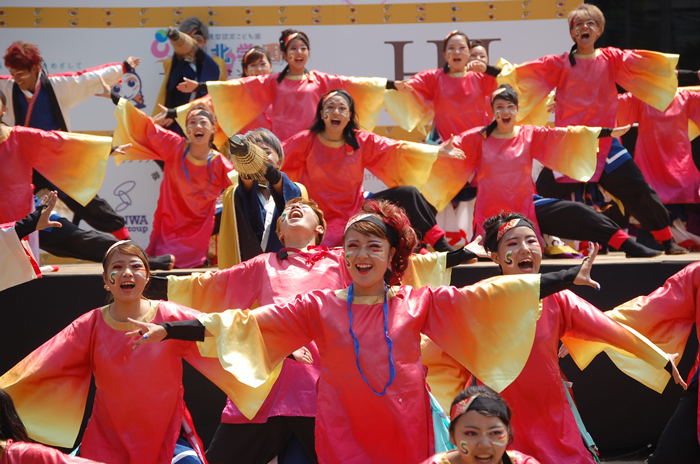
(349, 133)
(11, 426)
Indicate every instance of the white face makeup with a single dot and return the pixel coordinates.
(478, 53)
(519, 252)
(457, 53)
(479, 439)
(336, 114)
(126, 277)
(505, 112)
(259, 67)
(367, 258)
(585, 32)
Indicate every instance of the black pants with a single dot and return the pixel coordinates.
(575, 221)
(260, 443)
(98, 213)
(419, 211)
(627, 184)
(71, 241)
(679, 441)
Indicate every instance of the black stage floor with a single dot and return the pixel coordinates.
(620, 414)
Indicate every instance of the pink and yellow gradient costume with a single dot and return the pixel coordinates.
(503, 307)
(18, 264)
(663, 151)
(17, 452)
(457, 103)
(75, 163)
(50, 388)
(184, 217)
(514, 456)
(333, 172)
(503, 163)
(586, 93)
(291, 104)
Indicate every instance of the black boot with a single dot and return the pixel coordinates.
(633, 249)
(672, 248)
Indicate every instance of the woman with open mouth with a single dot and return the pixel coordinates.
(50, 386)
(454, 97)
(480, 430)
(330, 159)
(194, 177)
(502, 155)
(544, 425)
(368, 337)
(289, 97)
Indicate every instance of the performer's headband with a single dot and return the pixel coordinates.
(447, 37)
(332, 94)
(479, 403)
(506, 93)
(289, 38)
(377, 221)
(512, 224)
(114, 245)
(199, 112)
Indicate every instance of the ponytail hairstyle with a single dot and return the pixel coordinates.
(504, 92)
(446, 67)
(285, 39)
(11, 426)
(251, 56)
(401, 235)
(349, 133)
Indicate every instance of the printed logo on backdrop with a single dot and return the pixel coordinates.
(130, 89)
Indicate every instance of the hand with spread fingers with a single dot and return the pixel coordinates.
(146, 333)
(584, 275)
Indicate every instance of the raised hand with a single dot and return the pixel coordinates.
(303, 355)
(620, 131)
(133, 62)
(476, 66)
(449, 150)
(403, 86)
(47, 205)
(106, 90)
(120, 150)
(477, 249)
(584, 275)
(162, 117)
(187, 86)
(146, 333)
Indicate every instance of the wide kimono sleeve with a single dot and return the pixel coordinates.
(397, 162)
(248, 399)
(649, 76)
(17, 452)
(251, 345)
(570, 150)
(488, 327)
(533, 81)
(296, 150)
(18, 264)
(50, 386)
(693, 110)
(428, 269)
(415, 109)
(628, 107)
(367, 93)
(74, 88)
(75, 163)
(213, 292)
(238, 102)
(449, 175)
(587, 332)
(665, 317)
(149, 140)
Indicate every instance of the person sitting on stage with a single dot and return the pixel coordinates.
(194, 177)
(586, 82)
(538, 395)
(43, 102)
(480, 430)
(251, 208)
(50, 386)
(17, 448)
(191, 61)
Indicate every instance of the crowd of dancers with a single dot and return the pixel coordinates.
(330, 324)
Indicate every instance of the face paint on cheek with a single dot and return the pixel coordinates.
(509, 259)
(325, 114)
(497, 114)
(284, 216)
(536, 250)
(501, 440)
(141, 274)
(111, 277)
(463, 448)
(347, 261)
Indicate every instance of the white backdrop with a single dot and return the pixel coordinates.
(103, 34)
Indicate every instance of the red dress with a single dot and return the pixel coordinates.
(663, 151)
(514, 456)
(18, 452)
(184, 217)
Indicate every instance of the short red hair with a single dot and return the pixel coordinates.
(22, 55)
